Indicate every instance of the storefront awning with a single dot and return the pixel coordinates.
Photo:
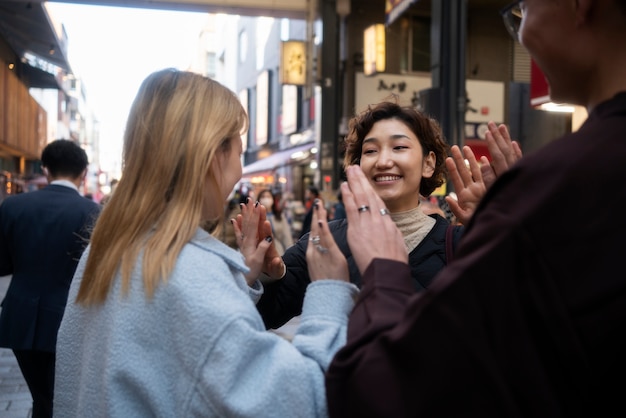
(280, 158)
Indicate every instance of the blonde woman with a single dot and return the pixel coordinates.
(161, 317)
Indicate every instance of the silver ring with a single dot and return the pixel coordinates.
(364, 208)
(384, 211)
(321, 249)
(315, 240)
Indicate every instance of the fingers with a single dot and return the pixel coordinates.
(324, 258)
(504, 152)
(254, 259)
(463, 170)
(371, 233)
(265, 227)
(315, 219)
(319, 228)
(456, 168)
(364, 200)
(474, 167)
(250, 226)
(514, 152)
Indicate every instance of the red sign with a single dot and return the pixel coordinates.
(479, 148)
(539, 88)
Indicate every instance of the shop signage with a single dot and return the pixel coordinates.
(293, 63)
(374, 49)
(539, 89)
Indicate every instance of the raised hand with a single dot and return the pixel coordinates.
(504, 153)
(371, 231)
(255, 241)
(471, 180)
(324, 258)
(467, 182)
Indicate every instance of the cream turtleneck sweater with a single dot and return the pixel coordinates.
(414, 225)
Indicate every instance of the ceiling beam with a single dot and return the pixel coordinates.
(293, 9)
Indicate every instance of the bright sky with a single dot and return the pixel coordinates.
(113, 49)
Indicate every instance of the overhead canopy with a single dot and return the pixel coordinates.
(281, 158)
(40, 79)
(27, 28)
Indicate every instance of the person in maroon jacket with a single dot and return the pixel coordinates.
(529, 318)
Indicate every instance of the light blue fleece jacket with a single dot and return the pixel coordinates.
(198, 348)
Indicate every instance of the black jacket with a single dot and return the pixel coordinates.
(282, 300)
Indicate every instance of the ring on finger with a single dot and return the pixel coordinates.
(321, 249)
(384, 211)
(315, 240)
(364, 208)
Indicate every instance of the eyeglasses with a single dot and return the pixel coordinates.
(512, 16)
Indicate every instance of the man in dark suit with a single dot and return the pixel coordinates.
(42, 236)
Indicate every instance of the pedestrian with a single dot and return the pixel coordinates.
(281, 230)
(339, 211)
(529, 318)
(107, 197)
(42, 236)
(403, 152)
(161, 319)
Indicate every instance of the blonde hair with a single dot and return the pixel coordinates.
(177, 124)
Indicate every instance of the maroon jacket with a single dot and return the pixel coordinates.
(530, 318)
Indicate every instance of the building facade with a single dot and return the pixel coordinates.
(40, 99)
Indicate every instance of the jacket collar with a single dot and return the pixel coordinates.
(208, 242)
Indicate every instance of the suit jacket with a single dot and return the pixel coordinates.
(42, 236)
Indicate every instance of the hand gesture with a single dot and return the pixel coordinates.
(467, 182)
(324, 258)
(504, 153)
(371, 231)
(471, 183)
(255, 241)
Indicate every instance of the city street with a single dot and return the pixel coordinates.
(15, 399)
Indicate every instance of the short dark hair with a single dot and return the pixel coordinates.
(426, 129)
(64, 157)
(314, 190)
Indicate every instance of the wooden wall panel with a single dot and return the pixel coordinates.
(22, 119)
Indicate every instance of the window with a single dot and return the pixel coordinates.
(211, 64)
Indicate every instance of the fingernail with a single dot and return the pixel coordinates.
(316, 204)
(247, 200)
(268, 239)
(241, 205)
(319, 223)
(256, 204)
(232, 221)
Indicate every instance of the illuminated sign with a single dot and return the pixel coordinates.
(374, 49)
(293, 63)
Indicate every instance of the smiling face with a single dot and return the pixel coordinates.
(392, 159)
